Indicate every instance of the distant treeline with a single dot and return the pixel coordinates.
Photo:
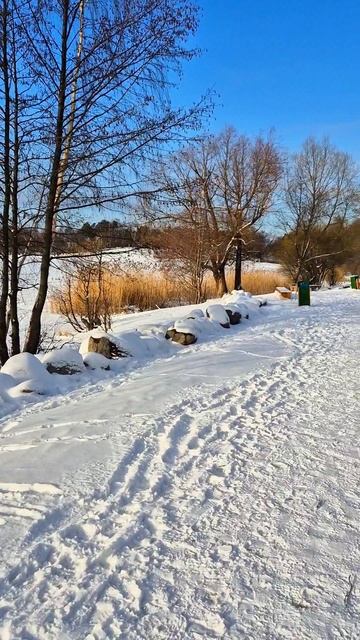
(113, 234)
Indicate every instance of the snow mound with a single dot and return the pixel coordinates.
(41, 385)
(6, 382)
(195, 313)
(24, 366)
(64, 360)
(245, 310)
(96, 361)
(236, 296)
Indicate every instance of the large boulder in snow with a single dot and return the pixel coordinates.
(180, 337)
(24, 366)
(98, 341)
(105, 347)
(216, 313)
(65, 362)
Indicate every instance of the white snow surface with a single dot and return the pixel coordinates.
(209, 491)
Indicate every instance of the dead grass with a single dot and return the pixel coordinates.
(260, 282)
(149, 291)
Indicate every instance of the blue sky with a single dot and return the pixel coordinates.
(291, 65)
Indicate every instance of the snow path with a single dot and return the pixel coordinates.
(233, 514)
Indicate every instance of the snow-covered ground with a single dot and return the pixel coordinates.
(210, 491)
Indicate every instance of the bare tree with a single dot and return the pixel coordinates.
(321, 193)
(222, 186)
(250, 172)
(93, 91)
(185, 253)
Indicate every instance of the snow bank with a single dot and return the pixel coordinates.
(141, 337)
(40, 385)
(236, 296)
(6, 382)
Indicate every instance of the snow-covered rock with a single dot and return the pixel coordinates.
(216, 313)
(180, 337)
(64, 361)
(96, 361)
(187, 330)
(95, 333)
(24, 366)
(98, 341)
(190, 325)
(242, 301)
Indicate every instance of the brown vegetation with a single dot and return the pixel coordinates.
(120, 293)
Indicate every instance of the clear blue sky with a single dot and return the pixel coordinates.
(291, 65)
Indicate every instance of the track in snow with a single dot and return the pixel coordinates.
(234, 515)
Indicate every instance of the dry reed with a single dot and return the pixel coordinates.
(150, 291)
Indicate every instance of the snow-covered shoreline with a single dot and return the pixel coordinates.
(24, 379)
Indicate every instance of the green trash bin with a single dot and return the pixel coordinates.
(303, 293)
(354, 281)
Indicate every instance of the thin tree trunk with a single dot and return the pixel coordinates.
(4, 353)
(70, 128)
(220, 279)
(34, 332)
(14, 275)
(238, 264)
